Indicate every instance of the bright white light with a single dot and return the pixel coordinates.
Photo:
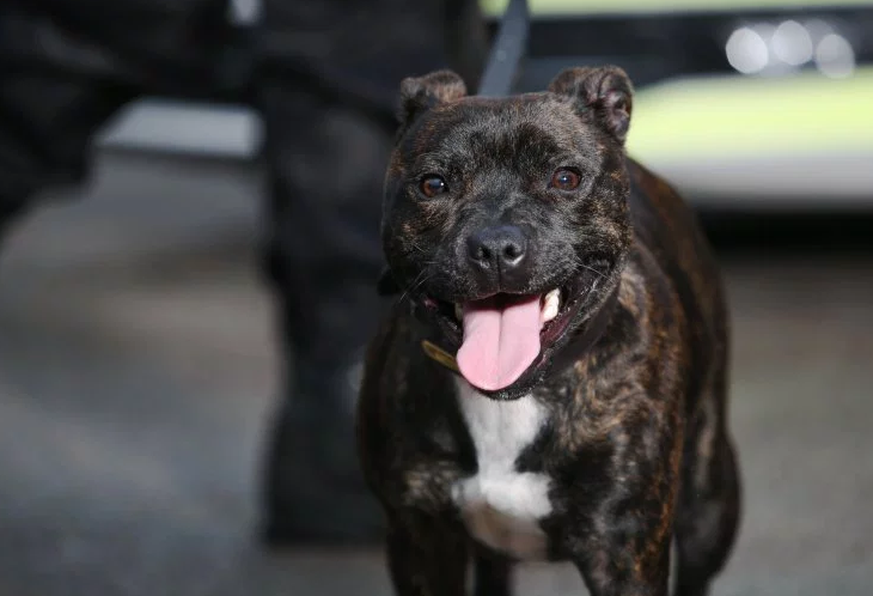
(792, 43)
(747, 51)
(835, 57)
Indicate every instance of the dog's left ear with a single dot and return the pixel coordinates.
(606, 93)
(420, 94)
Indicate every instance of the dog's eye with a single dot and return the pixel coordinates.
(565, 179)
(431, 186)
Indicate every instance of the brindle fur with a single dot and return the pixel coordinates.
(637, 444)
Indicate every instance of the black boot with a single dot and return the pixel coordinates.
(314, 490)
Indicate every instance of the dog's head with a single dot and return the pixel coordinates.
(506, 220)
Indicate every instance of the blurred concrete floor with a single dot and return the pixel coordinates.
(137, 368)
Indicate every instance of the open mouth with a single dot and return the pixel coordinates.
(549, 305)
(503, 335)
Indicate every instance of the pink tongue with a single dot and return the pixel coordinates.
(500, 341)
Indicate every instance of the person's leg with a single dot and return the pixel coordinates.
(50, 106)
(67, 65)
(322, 258)
(326, 84)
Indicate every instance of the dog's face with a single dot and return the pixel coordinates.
(506, 220)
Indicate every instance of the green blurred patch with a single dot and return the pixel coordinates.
(746, 116)
(547, 7)
(738, 115)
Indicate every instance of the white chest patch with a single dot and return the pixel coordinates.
(501, 506)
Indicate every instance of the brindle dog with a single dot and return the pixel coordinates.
(552, 382)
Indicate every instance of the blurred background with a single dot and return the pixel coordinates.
(138, 357)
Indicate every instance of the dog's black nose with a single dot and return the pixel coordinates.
(499, 248)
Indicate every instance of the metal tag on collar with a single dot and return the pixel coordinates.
(434, 352)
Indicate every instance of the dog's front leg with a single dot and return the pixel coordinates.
(618, 563)
(426, 556)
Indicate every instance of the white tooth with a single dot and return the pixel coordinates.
(551, 305)
(459, 312)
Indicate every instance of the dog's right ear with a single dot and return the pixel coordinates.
(605, 93)
(420, 94)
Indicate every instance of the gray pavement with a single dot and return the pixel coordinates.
(138, 365)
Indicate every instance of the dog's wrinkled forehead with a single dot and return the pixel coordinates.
(534, 130)
(584, 115)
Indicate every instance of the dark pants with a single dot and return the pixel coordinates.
(323, 74)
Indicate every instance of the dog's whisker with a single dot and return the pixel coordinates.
(419, 280)
(582, 265)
